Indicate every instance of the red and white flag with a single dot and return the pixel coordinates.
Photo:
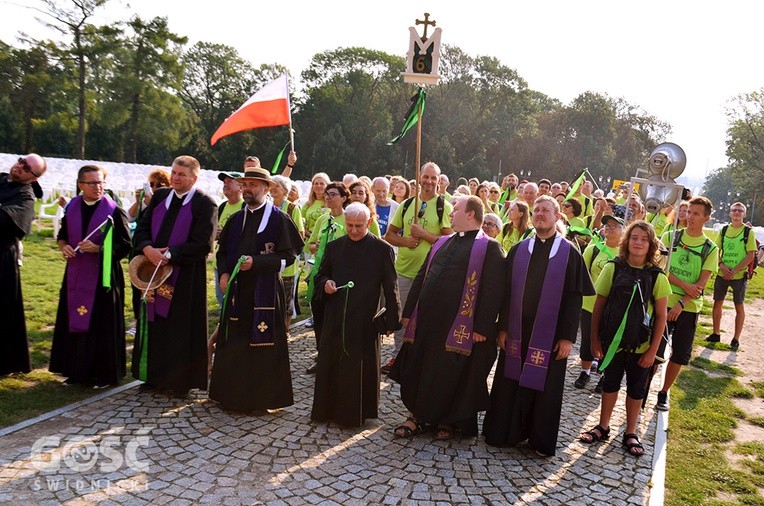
(266, 108)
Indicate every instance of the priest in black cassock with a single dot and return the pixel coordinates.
(16, 215)
(546, 279)
(89, 336)
(177, 228)
(450, 339)
(347, 371)
(250, 371)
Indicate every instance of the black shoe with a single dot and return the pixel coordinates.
(312, 369)
(714, 338)
(582, 380)
(663, 402)
(734, 345)
(385, 369)
(147, 387)
(598, 388)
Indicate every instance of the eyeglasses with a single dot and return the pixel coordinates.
(27, 168)
(494, 192)
(93, 184)
(422, 209)
(737, 210)
(331, 194)
(489, 225)
(613, 224)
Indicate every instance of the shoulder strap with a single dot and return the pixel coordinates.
(440, 206)
(506, 228)
(290, 209)
(405, 205)
(678, 238)
(221, 207)
(595, 252)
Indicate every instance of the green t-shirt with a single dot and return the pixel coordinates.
(659, 222)
(595, 266)
(310, 214)
(733, 251)
(296, 216)
(409, 260)
(686, 265)
(586, 204)
(318, 228)
(661, 289)
(228, 211)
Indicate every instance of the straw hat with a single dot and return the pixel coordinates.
(259, 174)
(141, 270)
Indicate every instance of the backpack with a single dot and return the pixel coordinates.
(751, 270)
(440, 205)
(620, 302)
(708, 245)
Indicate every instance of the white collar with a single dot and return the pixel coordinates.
(186, 197)
(556, 238)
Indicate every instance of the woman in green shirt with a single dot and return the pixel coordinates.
(315, 205)
(279, 193)
(360, 192)
(518, 225)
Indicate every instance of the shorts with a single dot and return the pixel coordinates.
(739, 286)
(585, 350)
(636, 376)
(683, 334)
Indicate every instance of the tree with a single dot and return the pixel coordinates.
(745, 146)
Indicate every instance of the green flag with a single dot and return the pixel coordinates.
(412, 116)
(106, 249)
(576, 184)
(278, 158)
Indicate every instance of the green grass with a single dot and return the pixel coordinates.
(758, 387)
(711, 366)
(24, 396)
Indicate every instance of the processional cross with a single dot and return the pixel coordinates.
(426, 22)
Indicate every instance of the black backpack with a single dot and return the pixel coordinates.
(636, 331)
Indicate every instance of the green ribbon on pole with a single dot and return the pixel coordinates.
(223, 319)
(106, 249)
(613, 348)
(576, 184)
(278, 158)
(143, 339)
(412, 115)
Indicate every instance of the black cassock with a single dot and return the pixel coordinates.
(347, 374)
(518, 413)
(98, 355)
(244, 377)
(16, 216)
(177, 345)
(439, 386)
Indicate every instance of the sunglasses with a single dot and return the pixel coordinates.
(494, 192)
(422, 209)
(27, 168)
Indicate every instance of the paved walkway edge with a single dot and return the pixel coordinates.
(69, 407)
(658, 489)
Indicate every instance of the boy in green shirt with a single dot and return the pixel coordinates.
(737, 250)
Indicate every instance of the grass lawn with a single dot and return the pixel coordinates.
(24, 396)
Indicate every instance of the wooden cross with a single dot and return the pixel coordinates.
(425, 23)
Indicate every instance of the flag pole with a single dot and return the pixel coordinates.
(418, 154)
(289, 106)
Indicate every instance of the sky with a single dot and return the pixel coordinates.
(677, 60)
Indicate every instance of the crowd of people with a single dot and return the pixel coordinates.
(494, 275)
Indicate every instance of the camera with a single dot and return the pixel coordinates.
(147, 189)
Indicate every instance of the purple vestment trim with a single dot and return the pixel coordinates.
(83, 271)
(159, 301)
(459, 338)
(532, 373)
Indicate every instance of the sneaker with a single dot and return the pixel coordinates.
(598, 388)
(734, 345)
(595, 367)
(714, 338)
(385, 369)
(309, 324)
(663, 402)
(582, 380)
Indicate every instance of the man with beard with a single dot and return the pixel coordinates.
(176, 228)
(508, 189)
(450, 318)
(16, 216)
(414, 231)
(347, 373)
(251, 366)
(537, 331)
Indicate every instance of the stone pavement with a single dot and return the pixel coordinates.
(134, 448)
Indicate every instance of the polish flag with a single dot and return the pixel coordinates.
(266, 108)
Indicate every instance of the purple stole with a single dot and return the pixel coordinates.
(83, 271)
(532, 374)
(159, 301)
(264, 305)
(459, 338)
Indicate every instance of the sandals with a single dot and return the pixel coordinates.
(634, 449)
(444, 432)
(404, 430)
(595, 435)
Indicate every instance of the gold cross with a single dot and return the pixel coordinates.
(82, 310)
(514, 349)
(425, 23)
(262, 327)
(537, 357)
(461, 333)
